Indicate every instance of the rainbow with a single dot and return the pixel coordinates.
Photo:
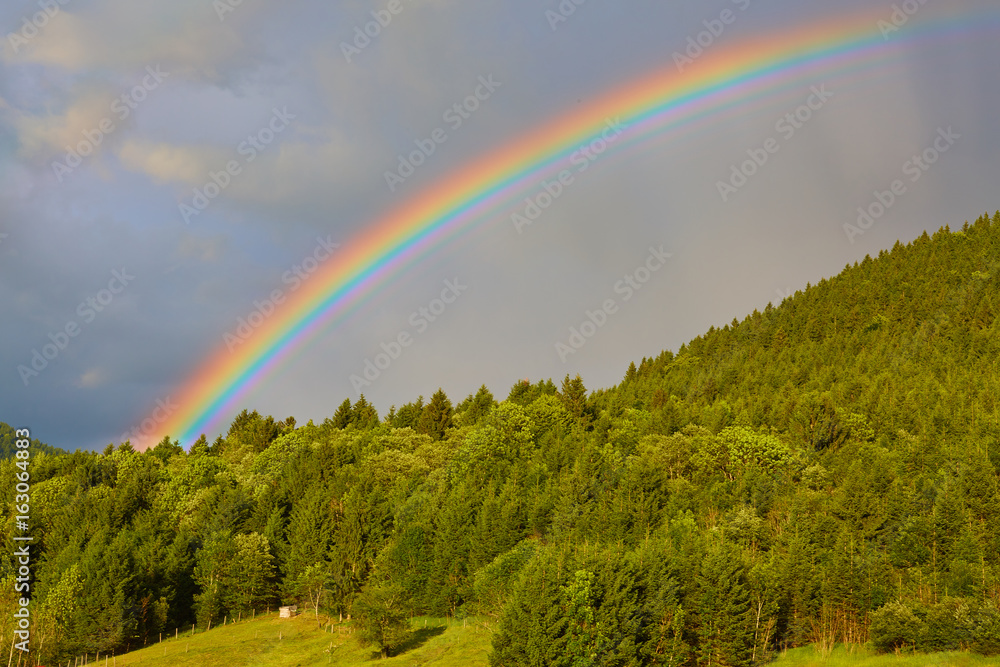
(721, 81)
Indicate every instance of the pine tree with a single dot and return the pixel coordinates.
(631, 373)
(200, 446)
(724, 625)
(476, 407)
(251, 572)
(436, 417)
(364, 415)
(574, 397)
(251, 433)
(533, 628)
(211, 574)
(310, 533)
(343, 417)
(381, 618)
(409, 414)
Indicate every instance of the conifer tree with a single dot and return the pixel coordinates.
(364, 414)
(310, 533)
(200, 446)
(409, 414)
(724, 626)
(574, 397)
(631, 373)
(344, 415)
(476, 407)
(436, 417)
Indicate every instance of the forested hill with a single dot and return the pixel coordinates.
(825, 471)
(910, 340)
(8, 437)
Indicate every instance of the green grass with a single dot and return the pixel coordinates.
(435, 642)
(857, 656)
(302, 644)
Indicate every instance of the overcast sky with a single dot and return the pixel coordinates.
(98, 262)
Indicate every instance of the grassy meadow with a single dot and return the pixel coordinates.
(270, 641)
(857, 656)
(436, 641)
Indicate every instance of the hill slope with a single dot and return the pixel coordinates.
(910, 339)
(274, 642)
(826, 471)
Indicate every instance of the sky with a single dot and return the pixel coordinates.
(120, 277)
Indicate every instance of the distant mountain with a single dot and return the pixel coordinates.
(8, 437)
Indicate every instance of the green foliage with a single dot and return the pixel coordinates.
(361, 415)
(952, 624)
(574, 609)
(474, 408)
(436, 418)
(495, 581)
(574, 397)
(533, 627)
(723, 610)
(250, 433)
(381, 619)
(747, 448)
(249, 579)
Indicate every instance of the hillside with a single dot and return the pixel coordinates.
(273, 642)
(8, 437)
(908, 339)
(825, 472)
(269, 641)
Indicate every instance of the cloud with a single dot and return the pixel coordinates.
(299, 167)
(121, 36)
(95, 377)
(202, 249)
(165, 163)
(41, 136)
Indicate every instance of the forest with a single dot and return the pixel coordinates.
(825, 471)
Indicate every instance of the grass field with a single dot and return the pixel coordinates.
(435, 642)
(859, 657)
